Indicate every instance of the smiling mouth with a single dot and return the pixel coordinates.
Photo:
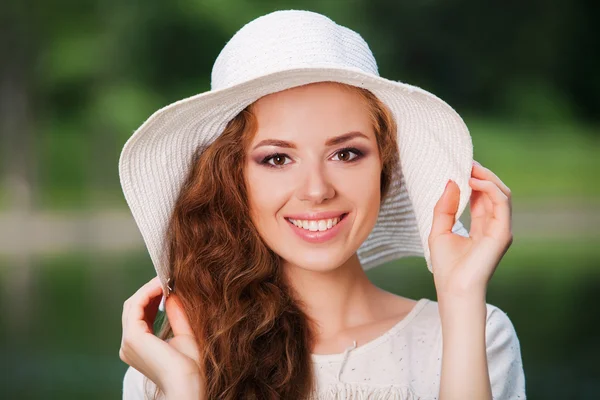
(316, 225)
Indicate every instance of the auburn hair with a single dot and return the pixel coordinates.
(255, 341)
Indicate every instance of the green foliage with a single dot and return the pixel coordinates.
(97, 70)
(539, 160)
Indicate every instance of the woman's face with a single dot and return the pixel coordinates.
(313, 174)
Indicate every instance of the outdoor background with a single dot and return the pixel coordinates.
(77, 77)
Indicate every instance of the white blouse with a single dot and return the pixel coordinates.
(402, 364)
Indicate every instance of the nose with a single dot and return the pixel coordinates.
(314, 185)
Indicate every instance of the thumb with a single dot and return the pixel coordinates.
(445, 210)
(177, 317)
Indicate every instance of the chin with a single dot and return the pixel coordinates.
(317, 261)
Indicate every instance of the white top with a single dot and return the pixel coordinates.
(402, 364)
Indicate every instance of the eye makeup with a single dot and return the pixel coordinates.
(267, 159)
(358, 153)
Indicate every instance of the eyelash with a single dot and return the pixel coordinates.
(359, 154)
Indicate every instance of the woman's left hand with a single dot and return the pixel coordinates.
(462, 266)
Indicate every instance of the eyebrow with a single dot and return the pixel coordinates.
(330, 142)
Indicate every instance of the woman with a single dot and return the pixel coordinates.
(262, 203)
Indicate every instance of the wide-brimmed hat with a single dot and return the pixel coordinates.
(281, 50)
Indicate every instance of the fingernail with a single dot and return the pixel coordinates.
(447, 183)
(161, 306)
(476, 162)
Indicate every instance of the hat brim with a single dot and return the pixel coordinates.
(434, 146)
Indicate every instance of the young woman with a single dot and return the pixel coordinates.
(263, 202)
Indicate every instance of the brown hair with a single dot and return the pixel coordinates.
(253, 336)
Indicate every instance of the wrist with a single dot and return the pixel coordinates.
(470, 296)
(462, 310)
(460, 288)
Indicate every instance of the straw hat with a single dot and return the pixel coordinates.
(277, 51)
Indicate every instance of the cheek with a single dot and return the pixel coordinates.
(267, 193)
(362, 186)
(368, 204)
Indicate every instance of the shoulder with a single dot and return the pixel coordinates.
(499, 328)
(137, 387)
(505, 364)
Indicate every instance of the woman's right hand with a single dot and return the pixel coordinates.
(174, 365)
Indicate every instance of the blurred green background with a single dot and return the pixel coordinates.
(78, 77)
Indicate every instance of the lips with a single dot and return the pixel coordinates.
(319, 228)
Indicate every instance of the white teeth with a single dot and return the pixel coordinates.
(315, 225)
(322, 225)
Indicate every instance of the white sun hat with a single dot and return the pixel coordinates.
(281, 50)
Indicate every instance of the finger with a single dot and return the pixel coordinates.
(481, 172)
(177, 318)
(445, 210)
(478, 212)
(481, 204)
(139, 304)
(502, 206)
(481, 209)
(151, 310)
(148, 354)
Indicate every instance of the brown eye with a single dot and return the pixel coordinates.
(346, 155)
(277, 160)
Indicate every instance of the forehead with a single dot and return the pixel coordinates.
(312, 112)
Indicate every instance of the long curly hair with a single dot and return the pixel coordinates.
(254, 338)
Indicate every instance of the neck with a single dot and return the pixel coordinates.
(335, 300)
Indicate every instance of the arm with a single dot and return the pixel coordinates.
(464, 360)
(462, 268)
(479, 353)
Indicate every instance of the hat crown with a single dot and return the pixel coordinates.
(289, 39)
